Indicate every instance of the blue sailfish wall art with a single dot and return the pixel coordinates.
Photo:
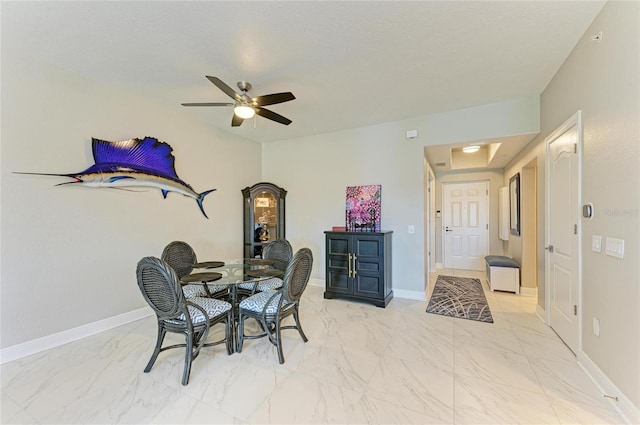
(133, 163)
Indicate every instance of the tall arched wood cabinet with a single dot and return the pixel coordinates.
(263, 205)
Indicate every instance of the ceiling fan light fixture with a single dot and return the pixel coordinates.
(244, 111)
(471, 149)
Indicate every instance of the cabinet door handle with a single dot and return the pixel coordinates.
(349, 265)
(354, 265)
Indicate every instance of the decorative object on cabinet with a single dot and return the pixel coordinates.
(358, 266)
(133, 163)
(363, 209)
(262, 202)
(514, 203)
(264, 216)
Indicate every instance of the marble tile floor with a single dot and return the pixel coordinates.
(362, 364)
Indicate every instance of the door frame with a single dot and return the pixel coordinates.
(487, 213)
(529, 224)
(574, 121)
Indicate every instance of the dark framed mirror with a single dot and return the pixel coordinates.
(514, 204)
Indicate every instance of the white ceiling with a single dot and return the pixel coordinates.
(444, 158)
(349, 63)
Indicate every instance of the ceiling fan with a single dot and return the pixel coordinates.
(246, 107)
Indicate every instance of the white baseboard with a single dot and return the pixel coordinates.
(397, 293)
(629, 412)
(41, 344)
(528, 292)
(410, 295)
(316, 282)
(542, 314)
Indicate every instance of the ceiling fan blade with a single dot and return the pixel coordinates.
(272, 116)
(225, 88)
(272, 99)
(207, 104)
(236, 121)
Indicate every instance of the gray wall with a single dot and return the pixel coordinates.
(603, 80)
(69, 253)
(316, 171)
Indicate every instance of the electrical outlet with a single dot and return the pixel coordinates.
(412, 229)
(596, 327)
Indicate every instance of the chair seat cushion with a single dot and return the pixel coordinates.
(256, 303)
(263, 285)
(192, 290)
(213, 288)
(212, 306)
(501, 261)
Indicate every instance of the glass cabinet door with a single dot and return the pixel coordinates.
(263, 217)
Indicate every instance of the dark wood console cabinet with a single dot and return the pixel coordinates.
(358, 266)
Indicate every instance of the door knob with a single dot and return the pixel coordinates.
(446, 229)
(549, 248)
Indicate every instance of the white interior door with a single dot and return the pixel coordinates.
(466, 224)
(562, 230)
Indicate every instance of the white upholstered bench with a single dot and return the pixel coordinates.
(503, 273)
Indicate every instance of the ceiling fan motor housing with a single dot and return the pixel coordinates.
(244, 86)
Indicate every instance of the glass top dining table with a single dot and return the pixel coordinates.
(232, 273)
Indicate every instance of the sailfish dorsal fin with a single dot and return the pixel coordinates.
(148, 153)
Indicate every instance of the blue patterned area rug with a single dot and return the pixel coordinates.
(460, 297)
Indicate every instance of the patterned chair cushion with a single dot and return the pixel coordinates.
(212, 306)
(192, 291)
(263, 285)
(213, 288)
(246, 285)
(257, 302)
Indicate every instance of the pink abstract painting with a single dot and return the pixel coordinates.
(363, 210)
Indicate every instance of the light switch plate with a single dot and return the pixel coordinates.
(596, 243)
(615, 247)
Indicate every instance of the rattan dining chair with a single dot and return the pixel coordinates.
(159, 285)
(279, 250)
(271, 307)
(182, 257)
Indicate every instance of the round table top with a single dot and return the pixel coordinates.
(265, 273)
(260, 261)
(208, 265)
(201, 277)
